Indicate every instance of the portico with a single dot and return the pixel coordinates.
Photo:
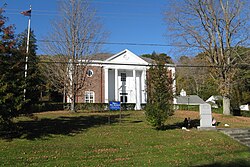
(125, 76)
(126, 85)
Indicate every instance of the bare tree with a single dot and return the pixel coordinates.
(192, 78)
(75, 36)
(215, 27)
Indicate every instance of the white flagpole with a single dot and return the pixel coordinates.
(27, 52)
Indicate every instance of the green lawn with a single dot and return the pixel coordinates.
(86, 139)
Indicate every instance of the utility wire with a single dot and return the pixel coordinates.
(101, 14)
(242, 65)
(121, 43)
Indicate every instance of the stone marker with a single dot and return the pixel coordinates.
(206, 117)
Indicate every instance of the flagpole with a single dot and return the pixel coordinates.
(26, 58)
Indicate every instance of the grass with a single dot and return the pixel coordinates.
(87, 139)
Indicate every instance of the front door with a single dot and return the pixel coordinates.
(123, 94)
(123, 97)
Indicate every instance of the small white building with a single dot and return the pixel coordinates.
(120, 77)
(213, 101)
(184, 99)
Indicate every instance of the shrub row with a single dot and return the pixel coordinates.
(97, 107)
(91, 106)
(47, 106)
(245, 113)
(101, 106)
(186, 107)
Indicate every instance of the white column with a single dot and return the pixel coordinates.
(143, 86)
(116, 85)
(135, 90)
(106, 79)
(138, 91)
(174, 81)
(172, 69)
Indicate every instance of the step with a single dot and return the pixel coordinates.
(241, 135)
(248, 144)
(244, 140)
(234, 131)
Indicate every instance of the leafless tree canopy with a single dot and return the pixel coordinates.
(77, 32)
(215, 27)
(206, 24)
(75, 36)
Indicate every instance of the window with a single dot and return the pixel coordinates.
(89, 73)
(89, 97)
(123, 76)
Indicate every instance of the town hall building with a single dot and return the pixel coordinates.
(120, 77)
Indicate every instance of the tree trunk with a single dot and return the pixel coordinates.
(226, 105)
(72, 104)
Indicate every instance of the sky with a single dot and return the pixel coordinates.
(127, 21)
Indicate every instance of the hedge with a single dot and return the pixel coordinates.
(245, 113)
(101, 106)
(186, 107)
(46, 106)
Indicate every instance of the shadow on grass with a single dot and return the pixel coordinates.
(46, 127)
(236, 163)
(178, 125)
(136, 122)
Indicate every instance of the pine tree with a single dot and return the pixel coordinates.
(11, 85)
(160, 94)
(12, 80)
(33, 80)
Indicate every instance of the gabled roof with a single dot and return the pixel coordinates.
(123, 57)
(126, 57)
(190, 100)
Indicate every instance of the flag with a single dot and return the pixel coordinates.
(26, 13)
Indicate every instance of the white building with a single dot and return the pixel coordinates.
(120, 77)
(185, 99)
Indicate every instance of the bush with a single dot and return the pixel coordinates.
(92, 106)
(46, 106)
(217, 110)
(236, 112)
(245, 113)
(155, 115)
(127, 106)
(186, 107)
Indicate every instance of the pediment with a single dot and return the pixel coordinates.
(126, 57)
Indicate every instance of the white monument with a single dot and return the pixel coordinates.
(206, 117)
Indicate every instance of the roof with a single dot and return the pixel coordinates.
(190, 100)
(150, 61)
(214, 98)
(101, 56)
(136, 59)
(106, 56)
(126, 56)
